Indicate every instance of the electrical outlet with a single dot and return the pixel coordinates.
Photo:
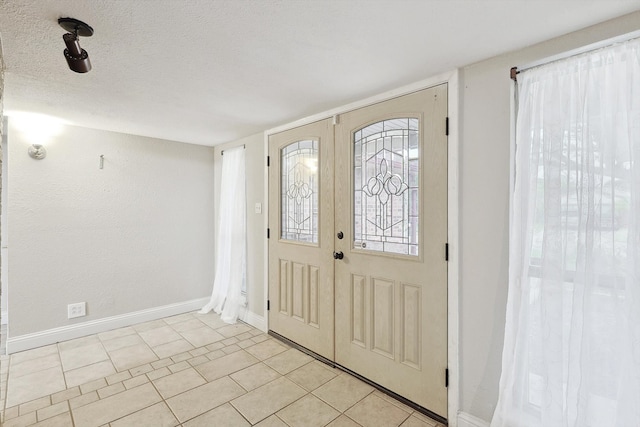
(78, 309)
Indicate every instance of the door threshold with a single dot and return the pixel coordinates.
(377, 386)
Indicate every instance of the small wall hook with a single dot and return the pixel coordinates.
(101, 161)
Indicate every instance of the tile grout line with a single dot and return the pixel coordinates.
(193, 353)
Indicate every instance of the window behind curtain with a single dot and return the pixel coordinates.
(572, 339)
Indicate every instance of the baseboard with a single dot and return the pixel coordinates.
(64, 333)
(468, 420)
(254, 320)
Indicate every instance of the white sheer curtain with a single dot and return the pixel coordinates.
(226, 298)
(572, 341)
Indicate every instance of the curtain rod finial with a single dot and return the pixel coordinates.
(514, 74)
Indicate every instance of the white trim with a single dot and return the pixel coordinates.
(64, 333)
(254, 320)
(266, 241)
(453, 308)
(468, 420)
(452, 78)
(3, 317)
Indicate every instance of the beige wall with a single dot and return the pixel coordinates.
(484, 208)
(135, 235)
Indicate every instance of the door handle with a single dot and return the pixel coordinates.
(338, 255)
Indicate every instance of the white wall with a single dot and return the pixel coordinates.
(484, 208)
(135, 235)
(255, 161)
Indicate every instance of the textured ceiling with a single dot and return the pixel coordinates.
(212, 71)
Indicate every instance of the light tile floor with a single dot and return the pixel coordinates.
(188, 370)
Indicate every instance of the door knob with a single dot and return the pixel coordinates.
(340, 235)
(338, 255)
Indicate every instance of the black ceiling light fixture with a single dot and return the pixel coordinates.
(77, 58)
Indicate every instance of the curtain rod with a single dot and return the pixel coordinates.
(243, 147)
(513, 73)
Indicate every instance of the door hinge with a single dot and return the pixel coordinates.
(446, 377)
(446, 252)
(268, 305)
(446, 127)
(268, 233)
(268, 161)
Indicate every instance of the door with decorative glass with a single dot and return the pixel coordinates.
(391, 275)
(301, 215)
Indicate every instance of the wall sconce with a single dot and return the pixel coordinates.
(37, 151)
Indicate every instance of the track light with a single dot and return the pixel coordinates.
(77, 58)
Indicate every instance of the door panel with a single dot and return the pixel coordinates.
(391, 285)
(301, 266)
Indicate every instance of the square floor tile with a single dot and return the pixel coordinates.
(77, 357)
(343, 421)
(309, 412)
(62, 420)
(132, 356)
(114, 407)
(201, 399)
(89, 373)
(117, 343)
(343, 391)
(179, 382)
(34, 365)
(147, 326)
(116, 333)
(78, 342)
(255, 376)
(312, 375)
(211, 319)
(35, 353)
(272, 421)
(375, 410)
(223, 415)
(33, 386)
(158, 336)
(226, 365)
(289, 360)
(201, 336)
(158, 415)
(268, 399)
(172, 348)
(235, 329)
(191, 323)
(178, 318)
(266, 349)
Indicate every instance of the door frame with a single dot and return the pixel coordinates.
(452, 79)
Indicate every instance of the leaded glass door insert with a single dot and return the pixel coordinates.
(386, 187)
(299, 191)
